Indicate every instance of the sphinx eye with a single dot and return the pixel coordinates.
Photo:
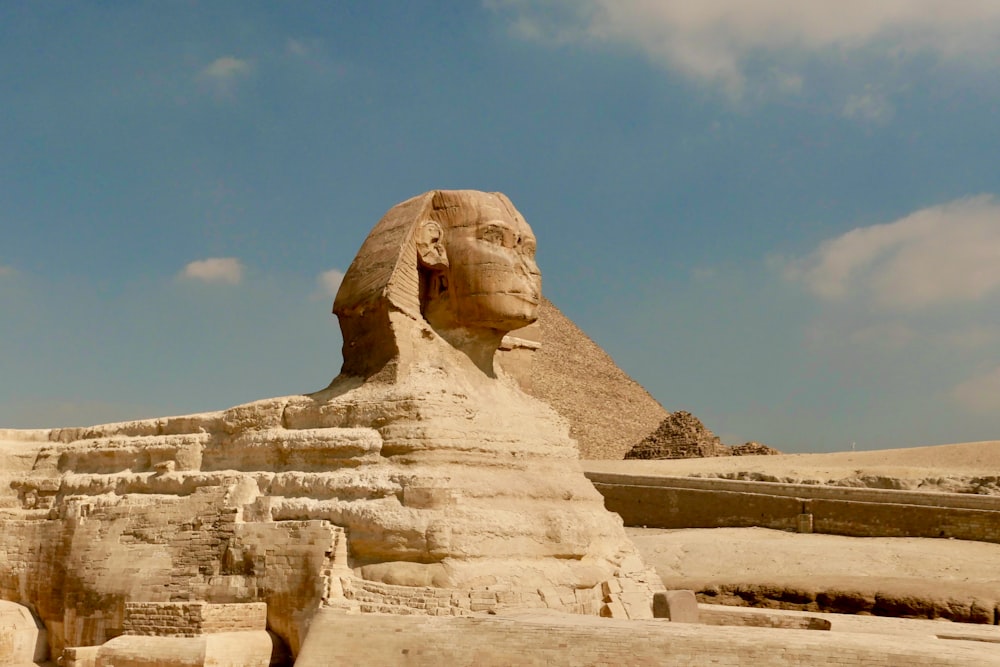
(493, 234)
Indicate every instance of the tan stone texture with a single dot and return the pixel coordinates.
(558, 640)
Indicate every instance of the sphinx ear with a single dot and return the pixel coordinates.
(430, 248)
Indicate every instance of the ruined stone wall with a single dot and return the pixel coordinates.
(610, 599)
(714, 503)
(190, 619)
(79, 570)
(668, 507)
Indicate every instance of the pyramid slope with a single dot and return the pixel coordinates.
(607, 410)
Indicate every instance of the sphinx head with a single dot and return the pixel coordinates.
(458, 263)
(477, 264)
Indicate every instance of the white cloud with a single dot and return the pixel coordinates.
(223, 75)
(329, 282)
(224, 270)
(979, 394)
(711, 40)
(870, 106)
(938, 255)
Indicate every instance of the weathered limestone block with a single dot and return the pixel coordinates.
(679, 606)
(422, 480)
(224, 649)
(22, 638)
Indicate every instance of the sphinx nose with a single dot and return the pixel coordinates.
(528, 266)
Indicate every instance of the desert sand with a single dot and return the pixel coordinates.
(971, 467)
(891, 576)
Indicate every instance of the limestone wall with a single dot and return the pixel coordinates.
(375, 597)
(79, 569)
(668, 502)
(190, 619)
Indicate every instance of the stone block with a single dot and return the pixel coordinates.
(637, 605)
(678, 606)
(609, 588)
(613, 609)
(79, 656)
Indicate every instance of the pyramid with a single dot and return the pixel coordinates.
(607, 410)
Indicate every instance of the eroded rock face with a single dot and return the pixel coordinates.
(421, 480)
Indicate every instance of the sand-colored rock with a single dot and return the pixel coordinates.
(955, 580)
(422, 480)
(22, 639)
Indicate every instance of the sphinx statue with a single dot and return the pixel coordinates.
(421, 480)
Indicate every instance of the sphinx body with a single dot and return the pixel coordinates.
(422, 480)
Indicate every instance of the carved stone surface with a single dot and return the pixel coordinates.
(422, 480)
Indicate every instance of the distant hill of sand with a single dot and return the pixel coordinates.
(957, 467)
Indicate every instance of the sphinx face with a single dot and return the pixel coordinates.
(492, 279)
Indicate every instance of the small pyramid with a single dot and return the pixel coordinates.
(680, 436)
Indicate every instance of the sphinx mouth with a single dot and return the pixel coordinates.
(528, 297)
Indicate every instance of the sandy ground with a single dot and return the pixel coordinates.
(965, 459)
(912, 577)
(929, 569)
(761, 554)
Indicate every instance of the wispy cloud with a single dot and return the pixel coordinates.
(7, 271)
(872, 106)
(223, 75)
(222, 270)
(298, 47)
(979, 394)
(328, 283)
(713, 40)
(938, 255)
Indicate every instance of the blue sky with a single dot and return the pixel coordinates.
(781, 216)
